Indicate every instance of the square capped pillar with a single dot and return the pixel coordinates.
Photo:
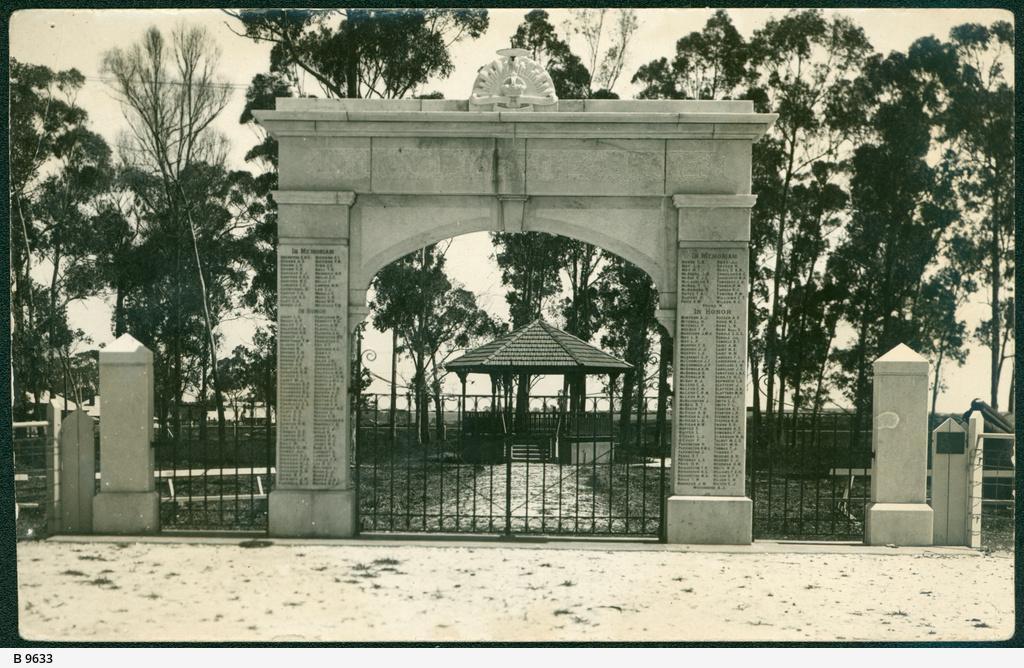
(313, 494)
(709, 502)
(128, 502)
(899, 513)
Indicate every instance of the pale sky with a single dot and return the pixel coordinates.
(61, 39)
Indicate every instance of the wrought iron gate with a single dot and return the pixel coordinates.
(470, 472)
(213, 481)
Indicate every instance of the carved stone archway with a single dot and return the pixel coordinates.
(664, 184)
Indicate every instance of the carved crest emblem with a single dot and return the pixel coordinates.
(513, 81)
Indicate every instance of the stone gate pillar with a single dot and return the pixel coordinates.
(709, 502)
(313, 493)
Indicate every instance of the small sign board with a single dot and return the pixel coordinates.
(950, 443)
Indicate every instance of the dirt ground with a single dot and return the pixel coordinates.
(385, 591)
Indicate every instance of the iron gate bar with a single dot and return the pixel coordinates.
(817, 474)
(238, 487)
(188, 436)
(220, 455)
(458, 464)
(802, 476)
(392, 435)
(788, 456)
(508, 484)
(849, 486)
(835, 448)
(376, 456)
(544, 476)
(252, 478)
(408, 472)
(593, 472)
(203, 444)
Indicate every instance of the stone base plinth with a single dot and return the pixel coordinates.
(126, 512)
(709, 520)
(898, 524)
(304, 513)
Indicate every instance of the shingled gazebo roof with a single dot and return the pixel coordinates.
(537, 348)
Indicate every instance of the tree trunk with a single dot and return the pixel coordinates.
(626, 403)
(818, 400)
(996, 278)
(780, 237)
(439, 426)
(860, 395)
(202, 404)
(935, 383)
(1013, 387)
(422, 408)
(393, 422)
(522, 401)
(208, 319)
(663, 387)
(120, 326)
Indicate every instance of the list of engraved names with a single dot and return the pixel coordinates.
(312, 287)
(710, 359)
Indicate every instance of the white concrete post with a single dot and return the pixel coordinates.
(313, 494)
(949, 483)
(78, 472)
(128, 502)
(709, 503)
(898, 513)
(975, 472)
(52, 457)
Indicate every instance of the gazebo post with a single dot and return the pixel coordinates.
(462, 412)
(611, 415)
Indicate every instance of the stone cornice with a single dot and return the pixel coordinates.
(329, 197)
(714, 201)
(635, 124)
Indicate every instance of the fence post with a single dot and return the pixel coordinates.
(78, 472)
(949, 483)
(898, 513)
(51, 454)
(128, 502)
(975, 464)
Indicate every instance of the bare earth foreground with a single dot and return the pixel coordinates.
(173, 591)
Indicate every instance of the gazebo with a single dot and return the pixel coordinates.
(538, 348)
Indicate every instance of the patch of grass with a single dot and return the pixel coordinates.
(74, 573)
(92, 557)
(103, 582)
(688, 590)
(562, 611)
(898, 613)
(256, 543)
(568, 583)
(386, 561)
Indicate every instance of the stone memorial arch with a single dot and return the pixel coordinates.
(664, 184)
